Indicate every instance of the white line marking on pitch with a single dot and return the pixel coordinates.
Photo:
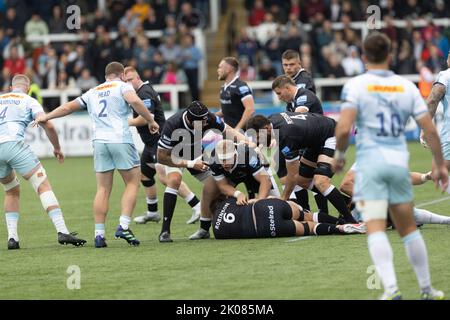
(298, 239)
(424, 204)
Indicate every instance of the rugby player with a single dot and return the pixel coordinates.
(108, 107)
(18, 110)
(381, 102)
(292, 66)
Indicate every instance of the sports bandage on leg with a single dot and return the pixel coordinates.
(48, 199)
(11, 185)
(37, 178)
(372, 209)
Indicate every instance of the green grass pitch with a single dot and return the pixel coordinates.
(330, 267)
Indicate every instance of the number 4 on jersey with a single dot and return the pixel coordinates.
(3, 114)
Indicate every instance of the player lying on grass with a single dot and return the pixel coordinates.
(420, 215)
(269, 218)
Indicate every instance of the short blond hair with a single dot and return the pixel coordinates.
(20, 80)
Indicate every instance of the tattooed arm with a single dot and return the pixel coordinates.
(436, 95)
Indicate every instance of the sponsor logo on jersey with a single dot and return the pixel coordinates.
(286, 150)
(253, 162)
(244, 89)
(301, 100)
(147, 103)
(106, 86)
(390, 89)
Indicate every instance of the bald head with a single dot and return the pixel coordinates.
(20, 81)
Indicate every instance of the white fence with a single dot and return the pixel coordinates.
(172, 89)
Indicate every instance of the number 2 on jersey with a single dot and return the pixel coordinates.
(102, 113)
(3, 114)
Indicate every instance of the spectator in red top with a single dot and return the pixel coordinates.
(14, 64)
(314, 7)
(256, 16)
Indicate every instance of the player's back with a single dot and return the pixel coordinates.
(109, 112)
(385, 101)
(17, 110)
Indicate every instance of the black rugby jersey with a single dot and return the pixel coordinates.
(231, 96)
(304, 80)
(153, 103)
(306, 98)
(301, 130)
(231, 221)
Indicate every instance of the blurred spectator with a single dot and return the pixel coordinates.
(293, 40)
(279, 14)
(347, 9)
(157, 65)
(99, 20)
(246, 71)
(36, 27)
(152, 21)
(436, 61)
(190, 60)
(48, 67)
(130, 22)
(172, 75)
(406, 63)
(143, 53)
(418, 44)
(440, 9)
(14, 64)
(170, 50)
(103, 52)
(335, 11)
(295, 9)
(256, 16)
(171, 26)
(441, 42)
(266, 29)
(124, 49)
(426, 79)
(335, 69)
(338, 46)
(352, 63)
(192, 18)
(140, 9)
(171, 8)
(324, 35)
(314, 7)
(294, 22)
(12, 24)
(267, 71)
(57, 23)
(389, 28)
(77, 62)
(247, 47)
(411, 10)
(273, 50)
(86, 81)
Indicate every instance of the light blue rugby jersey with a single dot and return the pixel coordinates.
(17, 110)
(109, 111)
(384, 101)
(444, 78)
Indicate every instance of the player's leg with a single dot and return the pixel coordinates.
(209, 193)
(401, 209)
(101, 205)
(11, 206)
(309, 158)
(298, 194)
(300, 215)
(192, 200)
(173, 180)
(422, 216)
(346, 187)
(322, 181)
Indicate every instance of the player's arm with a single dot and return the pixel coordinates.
(139, 121)
(165, 158)
(219, 113)
(418, 178)
(249, 105)
(138, 105)
(235, 135)
(227, 189)
(52, 135)
(264, 183)
(436, 95)
(440, 174)
(291, 178)
(61, 111)
(343, 130)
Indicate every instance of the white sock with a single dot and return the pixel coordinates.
(417, 255)
(197, 207)
(124, 221)
(151, 201)
(58, 220)
(448, 188)
(381, 252)
(12, 218)
(424, 216)
(189, 197)
(316, 217)
(100, 230)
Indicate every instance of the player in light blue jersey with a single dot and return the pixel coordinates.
(17, 111)
(440, 92)
(108, 108)
(381, 103)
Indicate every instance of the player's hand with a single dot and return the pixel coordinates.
(200, 165)
(338, 165)
(59, 155)
(154, 127)
(252, 201)
(302, 109)
(422, 139)
(440, 177)
(40, 118)
(242, 199)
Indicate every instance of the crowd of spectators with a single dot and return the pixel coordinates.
(275, 26)
(173, 58)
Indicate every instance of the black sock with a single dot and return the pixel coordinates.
(322, 203)
(152, 207)
(205, 224)
(324, 217)
(194, 201)
(337, 200)
(302, 199)
(170, 200)
(326, 228)
(348, 201)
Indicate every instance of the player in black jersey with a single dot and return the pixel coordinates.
(234, 164)
(148, 159)
(298, 100)
(292, 67)
(310, 131)
(236, 99)
(269, 218)
(179, 147)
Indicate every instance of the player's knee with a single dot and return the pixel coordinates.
(48, 200)
(38, 180)
(148, 183)
(324, 169)
(346, 187)
(372, 209)
(174, 181)
(13, 187)
(322, 182)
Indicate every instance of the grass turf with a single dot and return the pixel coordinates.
(329, 267)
